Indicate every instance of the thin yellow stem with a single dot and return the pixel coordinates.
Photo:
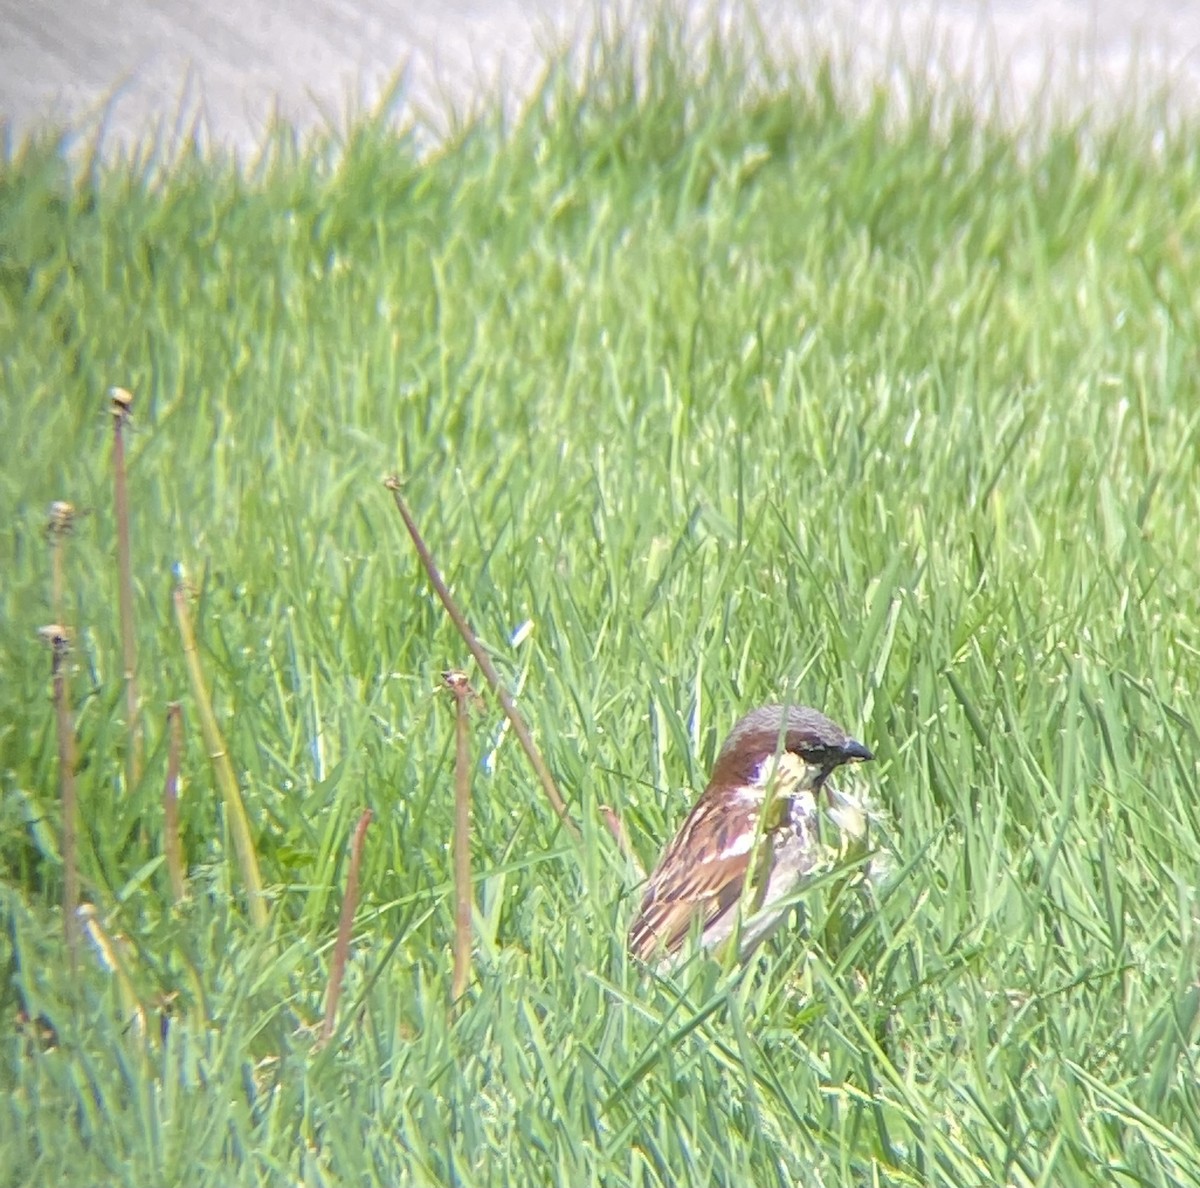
(61, 521)
(235, 809)
(172, 845)
(108, 950)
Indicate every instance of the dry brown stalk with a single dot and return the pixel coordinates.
(58, 639)
(464, 697)
(484, 661)
(617, 828)
(341, 946)
(122, 405)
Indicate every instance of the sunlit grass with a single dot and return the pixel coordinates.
(731, 389)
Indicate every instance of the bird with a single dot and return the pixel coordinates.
(757, 818)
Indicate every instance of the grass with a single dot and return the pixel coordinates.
(732, 389)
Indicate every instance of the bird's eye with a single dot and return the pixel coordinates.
(820, 756)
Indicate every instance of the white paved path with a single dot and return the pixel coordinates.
(138, 63)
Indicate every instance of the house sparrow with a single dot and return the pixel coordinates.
(776, 758)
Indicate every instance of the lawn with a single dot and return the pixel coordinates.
(709, 386)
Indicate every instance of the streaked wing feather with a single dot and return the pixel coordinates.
(706, 891)
(697, 876)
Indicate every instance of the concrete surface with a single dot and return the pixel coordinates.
(220, 69)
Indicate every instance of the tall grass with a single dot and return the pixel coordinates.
(711, 387)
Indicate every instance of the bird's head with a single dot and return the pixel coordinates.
(793, 746)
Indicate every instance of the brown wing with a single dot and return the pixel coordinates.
(700, 874)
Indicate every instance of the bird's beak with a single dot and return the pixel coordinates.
(854, 752)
